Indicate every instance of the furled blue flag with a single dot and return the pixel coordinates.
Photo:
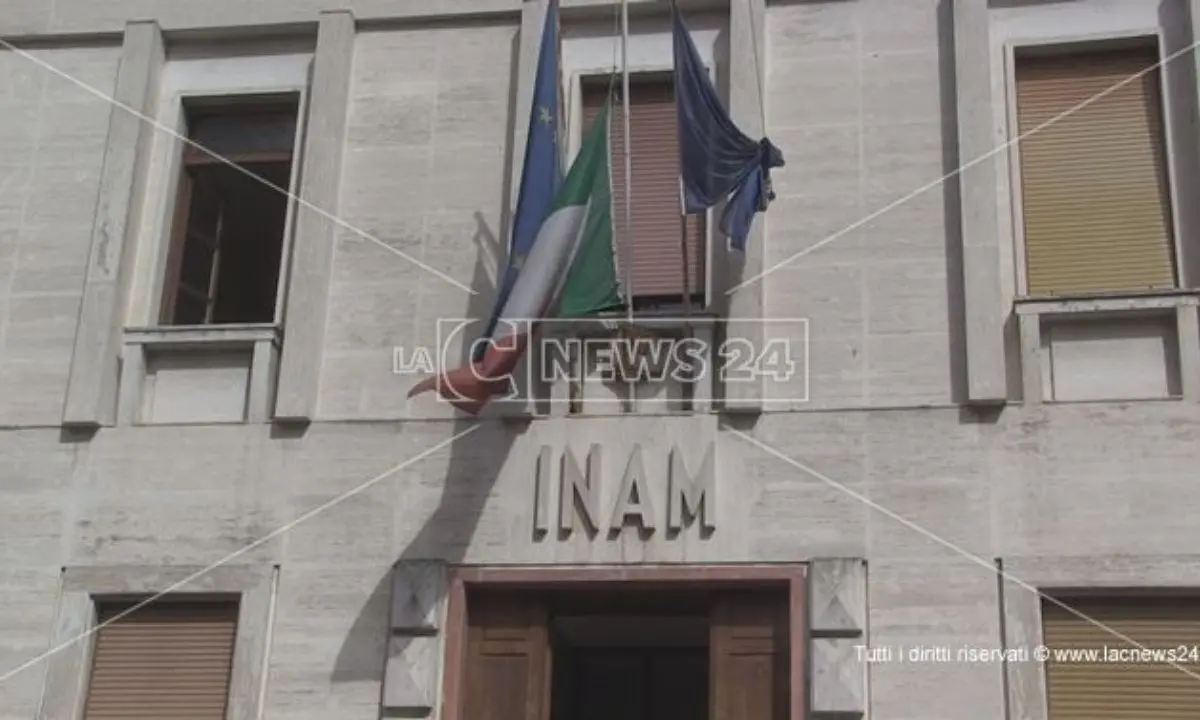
(542, 172)
(716, 159)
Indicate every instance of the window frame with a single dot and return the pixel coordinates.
(1011, 48)
(275, 70)
(68, 675)
(181, 210)
(573, 94)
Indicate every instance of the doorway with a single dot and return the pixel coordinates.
(630, 659)
(634, 651)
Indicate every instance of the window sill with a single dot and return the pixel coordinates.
(1126, 302)
(198, 374)
(203, 336)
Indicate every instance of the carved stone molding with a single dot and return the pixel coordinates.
(837, 626)
(415, 639)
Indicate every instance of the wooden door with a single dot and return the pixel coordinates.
(508, 658)
(749, 654)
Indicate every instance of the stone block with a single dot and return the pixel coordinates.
(380, 252)
(836, 370)
(839, 677)
(796, 83)
(379, 182)
(815, 30)
(51, 259)
(912, 230)
(909, 368)
(64, 194)
(802, 515)
(954, 511)
(907, 297)
(371, 316)
(838, 596)
(821, 160)
(418, 587)
(410, 676)
(830, 296)
(470, 122)
(901, 158)
(827, 223)
(389, 62)
(890, 26)
(93, 67)
(902, 87)
(396, 118)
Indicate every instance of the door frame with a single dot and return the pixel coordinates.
(462, 578)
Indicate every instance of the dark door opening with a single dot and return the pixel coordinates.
(627, 654)
(633, 667)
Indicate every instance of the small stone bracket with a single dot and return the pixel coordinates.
(837, 624)
(410, 681)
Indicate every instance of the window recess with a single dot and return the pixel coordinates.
(168, 659)
(213, 354)
(228, 236)
(1094, 186)
(650, 254)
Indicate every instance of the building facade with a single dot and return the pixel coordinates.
(981, 434)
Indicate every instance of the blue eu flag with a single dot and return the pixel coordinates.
(716, 159)
(542, 173)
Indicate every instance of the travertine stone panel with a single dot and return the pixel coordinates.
(839, 596)
(839, 677)
(415, 641)
(838, 636)
(418, 587)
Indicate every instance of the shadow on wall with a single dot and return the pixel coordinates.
(475, 460)
(952, 200)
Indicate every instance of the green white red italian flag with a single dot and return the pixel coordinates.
(569, 272)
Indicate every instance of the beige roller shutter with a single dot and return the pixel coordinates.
(1123, 691)
(657, 260)
(165, 661)
(1094, 184)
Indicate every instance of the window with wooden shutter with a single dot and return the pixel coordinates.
(749, 654)
(167, 660)
(656, 257)
(1095, 197)
(1119, 690)
(508, 658)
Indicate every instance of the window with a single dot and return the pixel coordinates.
(656, 259)
(1095, 197)
(169, 659)
(1111, 688)
(228, 235)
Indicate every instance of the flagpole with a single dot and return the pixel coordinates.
(629, 237)
(683, 247)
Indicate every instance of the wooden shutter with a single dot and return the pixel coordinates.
(508, 658)
(749, 655)
(165, 661)
(1123, 691)
(656, 259)
(1094, 183)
